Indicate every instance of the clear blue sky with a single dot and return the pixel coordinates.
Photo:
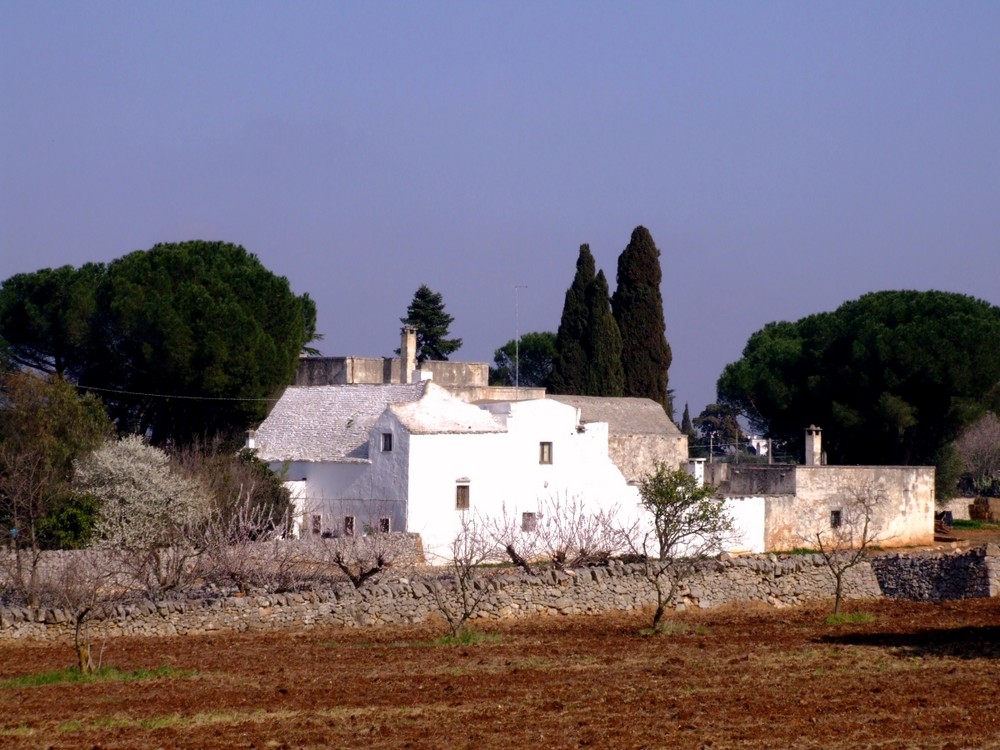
(786, 156)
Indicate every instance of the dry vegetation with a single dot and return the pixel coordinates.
(918, 675)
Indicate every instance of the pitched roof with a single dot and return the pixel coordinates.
(438, 412)
(327, 422)
(625, 416)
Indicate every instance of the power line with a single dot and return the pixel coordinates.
(168, 395)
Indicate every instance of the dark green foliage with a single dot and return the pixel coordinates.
(426, 314)
(70, 523)
(569, 367)
(718, 425)
(46, 317)
(243, 488)
(535, 353)
(638, 310)
(605, 376)
(44, 427)
(185, 340)
(892, 378)
(588, 344)
(686, 426)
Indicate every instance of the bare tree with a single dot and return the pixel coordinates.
(28, 489)
(242, 546)
(84, 584)
(570, 534)
(517, 536)
(563, 531)
(978, 449)
(363, 558)
(851, 531)
(684, 524)
(470, 551)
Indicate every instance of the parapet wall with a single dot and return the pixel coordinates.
(780, 582)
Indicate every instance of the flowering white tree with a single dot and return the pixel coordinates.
(148, 512)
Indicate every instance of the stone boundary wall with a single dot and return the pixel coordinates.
(785, 581)
(928, 576)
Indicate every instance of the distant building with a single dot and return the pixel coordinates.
(415, 458)
(783, 506)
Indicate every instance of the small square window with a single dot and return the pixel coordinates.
(836, 519)
(545, 453)
(383, 525)
(462, 497)
(529, 521)
(386, 442)
(348, 525)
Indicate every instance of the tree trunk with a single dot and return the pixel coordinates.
(82, 643)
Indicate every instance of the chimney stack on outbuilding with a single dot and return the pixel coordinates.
(407, 353)
(814, 446)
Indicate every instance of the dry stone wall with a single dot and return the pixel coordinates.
(928, 576)
(784, 581)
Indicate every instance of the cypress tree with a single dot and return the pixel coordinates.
(686, 426)
(605, 376)
(569, 366)
(638, 310)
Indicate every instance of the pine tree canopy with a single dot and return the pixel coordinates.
(183, 340)
(426, 313)
(638, 310)
(892, 377)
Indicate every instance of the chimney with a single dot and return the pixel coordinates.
(407, 353)
(251, 439)
(814, 446)
(696, 468)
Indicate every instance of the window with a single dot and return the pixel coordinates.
(386, 442)
(348, 525)
(317, 524)
(461, 497)
(529, 521)
(545, 453)
(835, 519)
(383, 525)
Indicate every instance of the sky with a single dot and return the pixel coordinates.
(786, 156)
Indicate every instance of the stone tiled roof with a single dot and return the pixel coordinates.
(328, 422)
(438, 412)
(625, 416)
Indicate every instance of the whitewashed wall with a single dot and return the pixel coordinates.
(504, 472)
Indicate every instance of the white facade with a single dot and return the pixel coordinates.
(426, 458)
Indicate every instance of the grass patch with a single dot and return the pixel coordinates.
(465, 637)
(106, 674)
(669, 627)
(968, 523)
(850, 618)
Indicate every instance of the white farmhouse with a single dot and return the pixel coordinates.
(415, 458)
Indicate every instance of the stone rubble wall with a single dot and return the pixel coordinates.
(780, 582)
(929, 576)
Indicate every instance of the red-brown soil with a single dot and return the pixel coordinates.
(922, 675)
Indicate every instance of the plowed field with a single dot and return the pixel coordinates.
(920, 675)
